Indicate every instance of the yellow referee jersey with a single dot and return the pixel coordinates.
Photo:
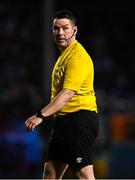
(74, 70)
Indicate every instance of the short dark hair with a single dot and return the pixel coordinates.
(65, 14)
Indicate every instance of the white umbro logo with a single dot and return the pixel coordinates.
(79, 159)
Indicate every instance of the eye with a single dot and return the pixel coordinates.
(65, 28)
(55, 28)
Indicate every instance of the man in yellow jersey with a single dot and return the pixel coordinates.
(73, 104)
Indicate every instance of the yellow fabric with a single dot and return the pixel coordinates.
(74, 70)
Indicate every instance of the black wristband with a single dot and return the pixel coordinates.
(40, 115)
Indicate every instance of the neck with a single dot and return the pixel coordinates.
(69, 42)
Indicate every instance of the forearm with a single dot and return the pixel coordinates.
(58, 102)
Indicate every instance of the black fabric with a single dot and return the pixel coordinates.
(73, 138)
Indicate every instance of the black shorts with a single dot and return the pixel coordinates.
(73, 138)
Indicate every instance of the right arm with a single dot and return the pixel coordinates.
(54, 106)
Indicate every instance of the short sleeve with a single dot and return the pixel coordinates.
(75, 73)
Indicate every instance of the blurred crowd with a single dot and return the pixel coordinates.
(20, 95)
(109, 41)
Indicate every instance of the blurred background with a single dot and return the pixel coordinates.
(27, 56)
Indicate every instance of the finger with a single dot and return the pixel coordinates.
(29, 127)
(27, 123)
(33, 127)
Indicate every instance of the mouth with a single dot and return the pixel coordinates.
(61, 40)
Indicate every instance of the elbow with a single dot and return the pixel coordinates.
(68, 94)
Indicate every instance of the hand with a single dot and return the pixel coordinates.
(32, 122)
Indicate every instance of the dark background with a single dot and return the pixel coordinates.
(27, 55)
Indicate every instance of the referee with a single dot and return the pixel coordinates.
(73, 105)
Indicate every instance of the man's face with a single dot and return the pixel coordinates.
(63, 32)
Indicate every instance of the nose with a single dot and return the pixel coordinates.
(60, 31)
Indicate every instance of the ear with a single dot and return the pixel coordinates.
(75, 30)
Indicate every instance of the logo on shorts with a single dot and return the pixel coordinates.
(79, 160)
